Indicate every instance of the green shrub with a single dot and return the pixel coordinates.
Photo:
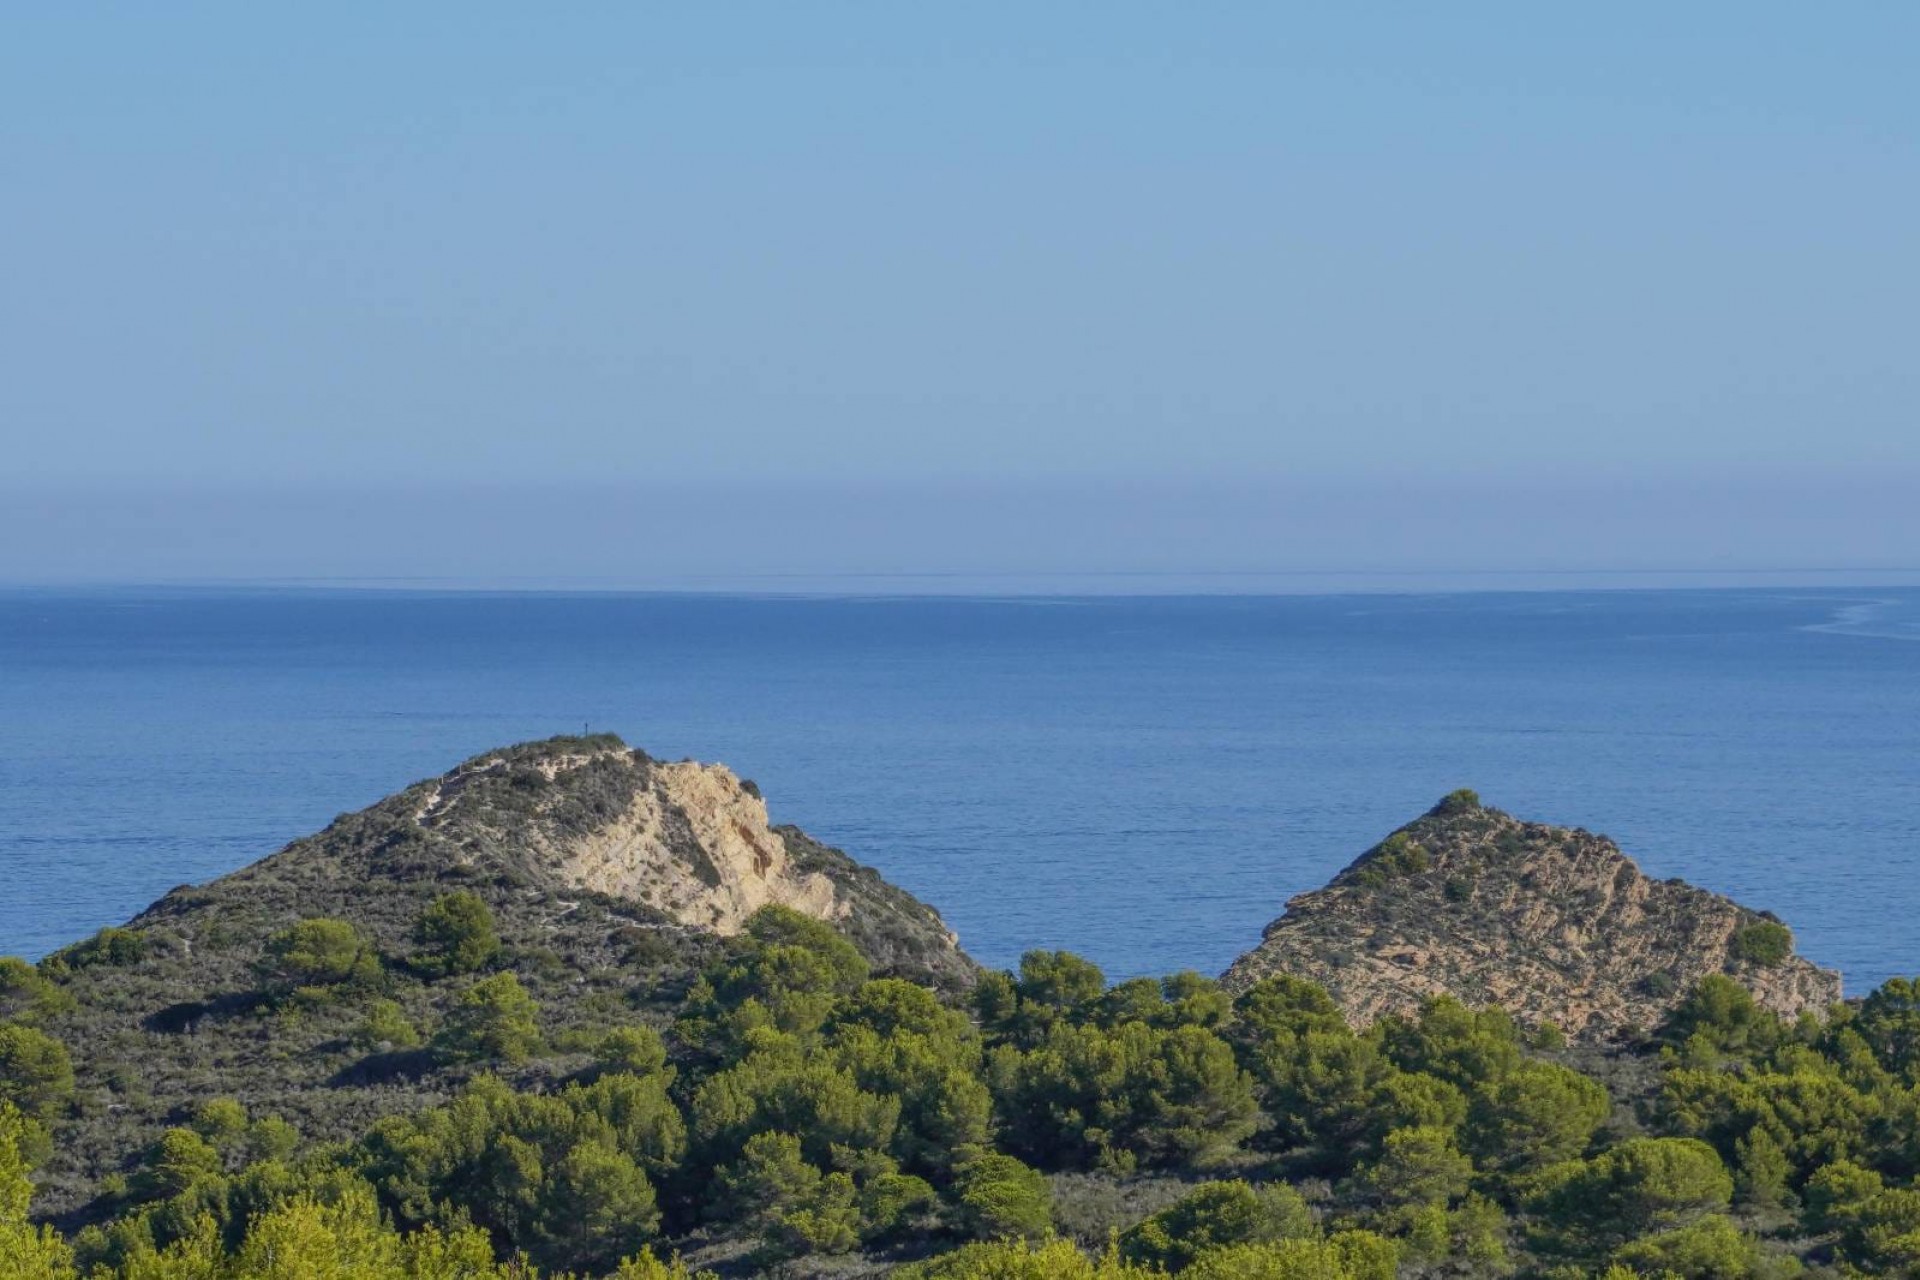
(1761, 1169)
(772, 1193)
(1878, 1226)
(1641, 1186)
(25, 992)
(385, 1026)
(320, 953)
(632, 1051)
(1347, 1255)
(1059, 979)
(269, 1138)
(180, 1160)
(456, 935)
(999, 1197)
(1534, 1115)
(35, 1073)
(642, 947)
(786, 972)
(495, 1019)
(598, 1206)
(1710, 1249)
(111, 946)
(1213, 1215)
(1889, 1023)
(1417, 1166)
(1019, 1260)
(1130, 1096)
(890, 1202)
(1460, 800)
(24, 1144)
(1767, 943)
(1397, 856)
(221, 1121)
(568, 1177)
(1719, 1016)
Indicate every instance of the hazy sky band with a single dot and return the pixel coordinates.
(975, 538)
(1073, 286)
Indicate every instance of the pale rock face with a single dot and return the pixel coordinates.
(692, 842)
(697, 845)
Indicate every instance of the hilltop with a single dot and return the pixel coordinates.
(1549, 923)
(612, 878)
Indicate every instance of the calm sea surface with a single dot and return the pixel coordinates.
(1145, 781)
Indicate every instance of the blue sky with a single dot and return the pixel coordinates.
(776, 289)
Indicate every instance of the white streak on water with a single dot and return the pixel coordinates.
(1872, 619)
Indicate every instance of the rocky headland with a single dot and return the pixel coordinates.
(1549, 923)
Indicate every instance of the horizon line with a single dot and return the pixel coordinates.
(959, 583)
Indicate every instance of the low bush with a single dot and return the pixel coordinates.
(456, 935)
(1767, 943)
(320, 953)
(111, 946)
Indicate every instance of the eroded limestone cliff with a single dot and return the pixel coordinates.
(691, 840)
(1546, 922)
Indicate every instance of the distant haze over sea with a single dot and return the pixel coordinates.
(1480, 529)
(1008, 586)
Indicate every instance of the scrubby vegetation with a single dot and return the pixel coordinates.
(406, 1049)
(1766, 942)
(456, 935)
(1398, 855)
(796, 1113)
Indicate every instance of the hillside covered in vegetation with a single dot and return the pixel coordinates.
(570, 1011)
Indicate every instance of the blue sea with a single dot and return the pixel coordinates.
(1142, 780)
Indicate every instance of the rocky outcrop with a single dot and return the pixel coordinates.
(1546, 922)
(691, 841)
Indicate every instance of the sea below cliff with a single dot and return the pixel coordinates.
(1138, 779)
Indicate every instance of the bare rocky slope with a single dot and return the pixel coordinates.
(1546, 922)
(689, 841)
(612, 878)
